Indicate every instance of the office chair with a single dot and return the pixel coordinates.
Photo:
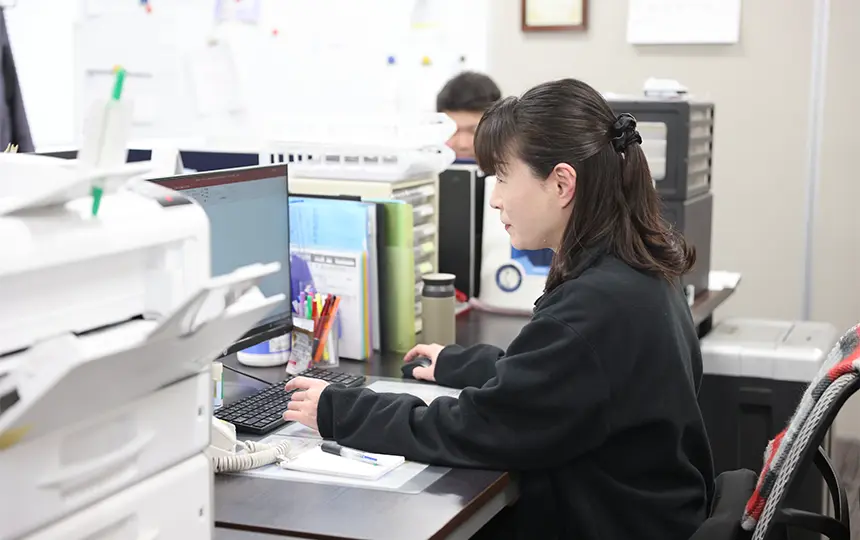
(746, 507)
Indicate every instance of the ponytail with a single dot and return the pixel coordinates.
(647, 240)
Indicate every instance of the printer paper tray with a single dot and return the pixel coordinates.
(173, 504)
(62, 381)
(68, 470)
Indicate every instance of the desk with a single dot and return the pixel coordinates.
(235, 534)
(455, 506)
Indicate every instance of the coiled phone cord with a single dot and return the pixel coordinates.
(257, 455)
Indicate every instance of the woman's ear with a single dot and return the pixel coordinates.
(563, 180)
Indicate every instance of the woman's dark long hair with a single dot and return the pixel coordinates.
(615, 204)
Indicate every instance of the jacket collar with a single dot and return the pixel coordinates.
(588, 257)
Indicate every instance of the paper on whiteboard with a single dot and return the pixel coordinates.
(246, 11)
(215, 79)
(97, 8)
(655, 22)
(424, 392)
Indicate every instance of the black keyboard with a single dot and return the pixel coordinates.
(263, 412)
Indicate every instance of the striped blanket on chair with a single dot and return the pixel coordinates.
(844, 358)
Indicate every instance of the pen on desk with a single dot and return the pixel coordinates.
(331, 447)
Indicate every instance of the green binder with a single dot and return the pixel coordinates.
(398, 268)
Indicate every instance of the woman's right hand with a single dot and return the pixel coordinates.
(430, 351)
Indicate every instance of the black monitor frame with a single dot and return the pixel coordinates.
(283, 324)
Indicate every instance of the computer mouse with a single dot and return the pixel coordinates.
(408, 367)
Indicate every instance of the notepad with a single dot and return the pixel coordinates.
(318, 462)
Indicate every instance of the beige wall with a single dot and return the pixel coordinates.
(836, 287)
(761, 90)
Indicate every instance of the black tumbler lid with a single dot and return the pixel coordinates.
(439, 279)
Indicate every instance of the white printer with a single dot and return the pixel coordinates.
(755, 372)
(108, 324)
(767, 349)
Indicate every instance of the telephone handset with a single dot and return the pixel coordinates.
(225, 458)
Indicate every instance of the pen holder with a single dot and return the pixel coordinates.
(328, 357)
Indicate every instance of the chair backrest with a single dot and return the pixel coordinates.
(776, 518)
(793, 452)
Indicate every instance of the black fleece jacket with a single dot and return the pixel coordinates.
(593, 405)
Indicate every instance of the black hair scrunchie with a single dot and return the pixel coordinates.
(623, 132)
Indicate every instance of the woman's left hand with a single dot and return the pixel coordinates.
(302, 407)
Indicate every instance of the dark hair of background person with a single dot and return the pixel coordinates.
(615, 204)
(468, 91)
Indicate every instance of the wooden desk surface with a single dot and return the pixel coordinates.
(705, 304)
(326, 511)
(235, 534)
(455, 502)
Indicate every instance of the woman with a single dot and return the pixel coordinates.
(594, 402)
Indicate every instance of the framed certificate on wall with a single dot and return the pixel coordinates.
(554, 15)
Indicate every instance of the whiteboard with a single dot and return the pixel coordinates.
(42, 52)
(202, 69)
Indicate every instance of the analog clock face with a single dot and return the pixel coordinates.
(509, 278)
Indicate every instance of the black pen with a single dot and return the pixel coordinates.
(331, 447)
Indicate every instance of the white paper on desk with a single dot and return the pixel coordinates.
(674, 22)
(315, 461)
(719, 280)
(424, 392)
(401, 479)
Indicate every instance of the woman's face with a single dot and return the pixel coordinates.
(535, 210)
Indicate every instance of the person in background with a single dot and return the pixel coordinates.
(465, 98)
(594, 403)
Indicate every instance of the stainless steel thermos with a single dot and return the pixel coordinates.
(437, 309)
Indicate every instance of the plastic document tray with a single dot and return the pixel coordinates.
(173, 504)
(50, 477)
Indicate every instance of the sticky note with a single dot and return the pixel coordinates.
(13, 436)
